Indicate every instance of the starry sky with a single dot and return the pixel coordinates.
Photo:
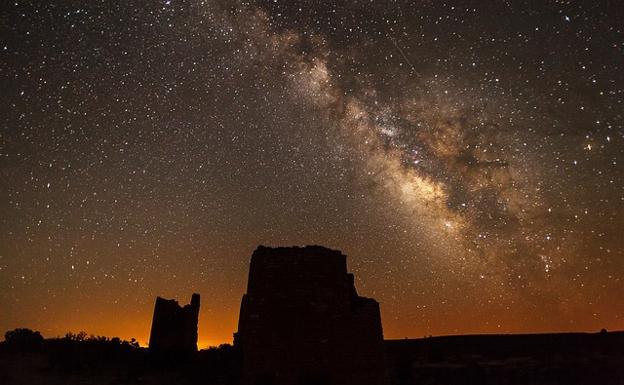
(465, 155)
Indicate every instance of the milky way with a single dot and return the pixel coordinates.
(465, 156)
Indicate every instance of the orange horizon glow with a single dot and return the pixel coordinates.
(220, 331)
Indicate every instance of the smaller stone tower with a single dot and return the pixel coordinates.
(174, 328)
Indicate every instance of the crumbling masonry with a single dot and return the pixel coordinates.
(302, 321)
(174, 328)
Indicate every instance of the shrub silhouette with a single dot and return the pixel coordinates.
(23, 340)
(76, 352)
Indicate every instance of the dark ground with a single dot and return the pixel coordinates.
(573, 358)
(488, 359)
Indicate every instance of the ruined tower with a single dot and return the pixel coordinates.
(174, 328)
(302, 321)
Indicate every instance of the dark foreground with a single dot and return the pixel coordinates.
(489, 359)
(571, 359)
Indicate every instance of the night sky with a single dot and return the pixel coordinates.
(466, 156)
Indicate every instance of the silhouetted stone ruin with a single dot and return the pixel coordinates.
(302, 322)
(174, 328)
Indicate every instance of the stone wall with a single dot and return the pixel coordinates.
(302, 321)
(174, 328)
